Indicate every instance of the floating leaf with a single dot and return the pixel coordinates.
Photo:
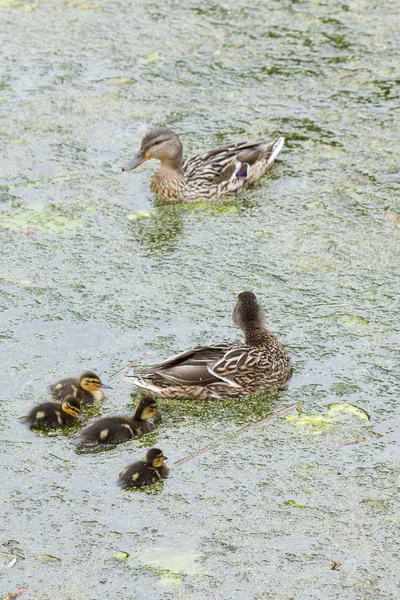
(47, 558)
(172, 561)
(344, 407)
(143, 214)
(155, 57)
(314, 424)
(354, 321)
(295, 504)
(119, 555)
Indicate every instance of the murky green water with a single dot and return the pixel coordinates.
(318, 241)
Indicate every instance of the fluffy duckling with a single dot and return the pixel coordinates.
(86, 388)
(224, 369)
(116, 430)
(218, 172)
(145, 472)
(55, 414)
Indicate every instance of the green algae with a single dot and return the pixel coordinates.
(41, 221)
(316, 240)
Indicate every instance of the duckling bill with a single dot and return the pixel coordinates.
(224, 369)
(225, 170)
(145, 472)
(86, 388)
(116, 430)
(55, 414)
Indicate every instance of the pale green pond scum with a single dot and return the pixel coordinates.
(96, 273)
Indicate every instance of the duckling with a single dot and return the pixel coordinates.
(225, 369)
(145, 472)
(116, 430)
(225, 170)
(55, 414)
(85, 388)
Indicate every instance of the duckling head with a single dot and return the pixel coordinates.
(145, 409)
(155, 458)
(71, 406)
(162, 144)
(91, 382)
(247, 313)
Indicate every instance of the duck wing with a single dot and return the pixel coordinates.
(246, 366)
(189, 368)
(221, 164)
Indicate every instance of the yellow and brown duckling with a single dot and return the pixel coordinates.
(225, 369)
(116, 430)
(55, 414)
(218, 172)
(145, 472)
(86, 388)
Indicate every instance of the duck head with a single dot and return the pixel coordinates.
(162, 144)
(90, 382)
(155, 458)
(247, 313)
(145, 409)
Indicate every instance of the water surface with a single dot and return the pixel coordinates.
(317, 241)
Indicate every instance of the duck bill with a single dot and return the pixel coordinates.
(105, 387)
(138, 160)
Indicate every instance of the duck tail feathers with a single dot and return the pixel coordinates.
(274, 148)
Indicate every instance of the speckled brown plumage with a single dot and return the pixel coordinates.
(218, 172)
(225, 369)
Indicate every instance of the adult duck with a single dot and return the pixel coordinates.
(225, 369)
(225, 170)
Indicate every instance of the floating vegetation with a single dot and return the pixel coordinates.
(35, 221)
(345, 408)
(143, 214)
(317, 424)
(313, 424)
(119, 555)
(295, 504)
(172, 561)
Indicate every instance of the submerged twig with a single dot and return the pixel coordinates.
(16, 593)
(133, 363)
(346, 75)
(352, 442)
(279, 413)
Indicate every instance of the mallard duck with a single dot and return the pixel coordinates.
(55, 414)
(116, 430)
(225, 170)
(86, 388)
(145, 472)
(225, 369)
